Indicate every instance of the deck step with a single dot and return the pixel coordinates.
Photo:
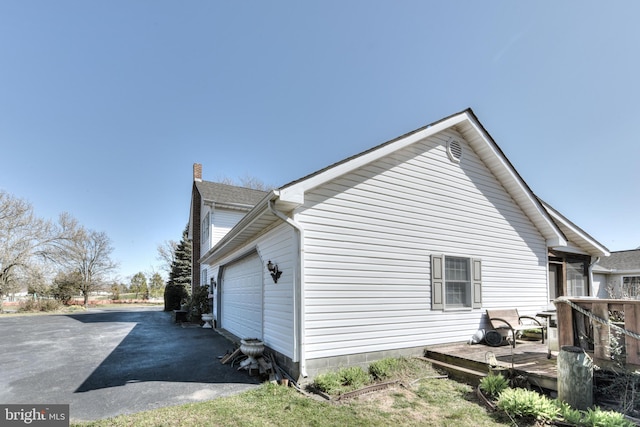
(459, 373)
(457, 361)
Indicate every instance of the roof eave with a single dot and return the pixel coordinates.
(246, 225)
(582, 238)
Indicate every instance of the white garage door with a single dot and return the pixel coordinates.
(242, 297)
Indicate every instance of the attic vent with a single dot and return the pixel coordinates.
(454, 150)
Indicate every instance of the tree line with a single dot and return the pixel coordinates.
(32, 250)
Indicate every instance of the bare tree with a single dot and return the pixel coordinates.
(89, 254)
(24, 238)
(255, 183)
(167, 254)
(247, 181)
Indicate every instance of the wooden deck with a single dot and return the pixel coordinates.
(528, 358)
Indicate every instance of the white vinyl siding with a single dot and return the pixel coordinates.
(369, 236)
(279, 316)
(278, 307)
(223, 220)
(242, 297)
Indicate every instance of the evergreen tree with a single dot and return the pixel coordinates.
(156, 286)
(139, 285)
(179, 283)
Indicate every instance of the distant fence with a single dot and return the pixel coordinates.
(80, 301)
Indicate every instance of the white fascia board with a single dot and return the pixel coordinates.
(244, 223)
(601, 250)
(295, 193)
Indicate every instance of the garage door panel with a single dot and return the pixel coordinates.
(242, 298)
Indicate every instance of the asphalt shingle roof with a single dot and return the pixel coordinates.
(622, 260)
(224, 193)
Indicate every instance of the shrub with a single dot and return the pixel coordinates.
(524, 403)
(597, 417)
(329, 383)
(32, 305)
(493, 385)
(345, 379)
(173, 296)
(383, 368)
(569, 414)
(354, 377)
(199, 302)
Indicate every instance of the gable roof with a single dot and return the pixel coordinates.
(480, 141)
(225, 194)
(620, 262)
(575, 234)
(466, 123)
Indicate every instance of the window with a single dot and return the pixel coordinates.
(205, 229)
(203, 278)
(631, 286)
(455, 282)
(576, 279)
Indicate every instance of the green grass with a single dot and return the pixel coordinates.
(426, 402)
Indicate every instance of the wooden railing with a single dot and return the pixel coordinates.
(597, 311)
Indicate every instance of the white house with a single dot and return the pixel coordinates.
(399, 247)
(618, 276)
(215, 209)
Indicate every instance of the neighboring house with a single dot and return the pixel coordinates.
(399, 247)
(215, 209)
(618, 276)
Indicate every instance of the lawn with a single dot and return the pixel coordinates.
(429, 401)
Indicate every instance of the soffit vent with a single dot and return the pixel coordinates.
(454, 150)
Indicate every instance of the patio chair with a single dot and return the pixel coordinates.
(509, 321)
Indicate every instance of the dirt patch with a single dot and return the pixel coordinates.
(399, 400)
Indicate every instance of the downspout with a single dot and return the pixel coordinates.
(299, 290)
(590, 270)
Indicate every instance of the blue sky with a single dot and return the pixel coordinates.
(105, 106)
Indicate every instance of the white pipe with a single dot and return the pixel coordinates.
(299, 290)
(590, 270)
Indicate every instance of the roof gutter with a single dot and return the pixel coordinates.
(244, 223)
(298, 296)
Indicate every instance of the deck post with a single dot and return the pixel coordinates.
(601, 347)
(565, 324)
(631, 319)
(575, 377)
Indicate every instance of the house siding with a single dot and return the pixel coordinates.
(278, 298)
(279, 332)
(223, 221)
(368, 239)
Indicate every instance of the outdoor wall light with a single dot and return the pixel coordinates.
(274, 270)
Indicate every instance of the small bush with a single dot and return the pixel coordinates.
(597, 417)
(568, 414)
(493, 385)
(524, 403)
(32, 305)
(329, 383)
(173, 296)
(354, 377)
(384, 368)
(346, 379)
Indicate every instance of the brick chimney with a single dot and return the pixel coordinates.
(197, 172)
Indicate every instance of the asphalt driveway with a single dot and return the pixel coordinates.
(107, 362)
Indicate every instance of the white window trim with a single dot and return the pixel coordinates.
(438, 282)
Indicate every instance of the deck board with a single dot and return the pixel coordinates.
(527, 357)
